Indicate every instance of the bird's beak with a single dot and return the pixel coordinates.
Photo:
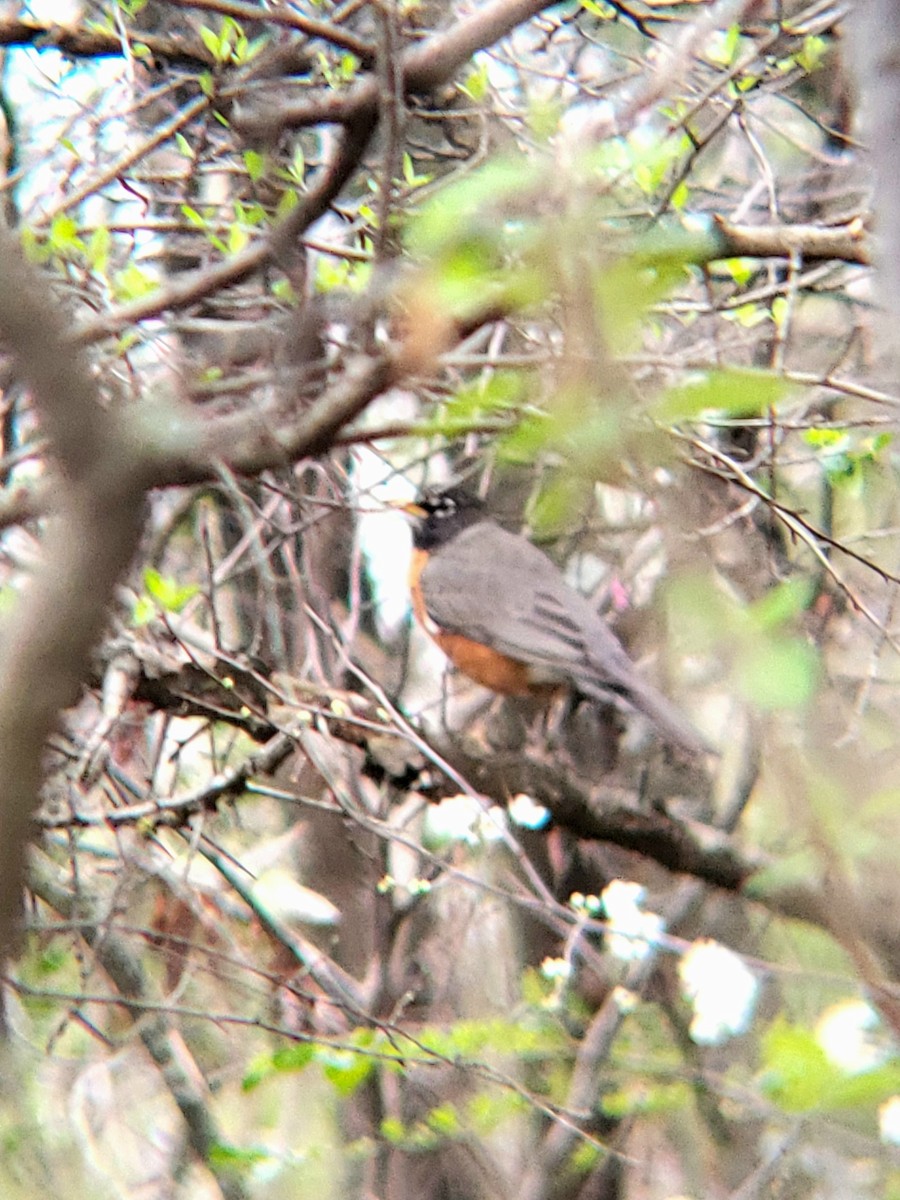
(410, 507)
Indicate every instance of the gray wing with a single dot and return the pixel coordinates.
(517, 601)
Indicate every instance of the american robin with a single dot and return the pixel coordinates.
(502, 612)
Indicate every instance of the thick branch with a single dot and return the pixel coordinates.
(847, 243)
(83, 42)
(249, 447)
(286, 18)
(422, 69)
(47, 638)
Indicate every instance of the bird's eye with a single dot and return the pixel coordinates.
(441, 505)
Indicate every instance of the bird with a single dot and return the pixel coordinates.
(503, 613)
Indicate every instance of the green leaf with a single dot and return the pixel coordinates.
(238, 237)
(782, 603)
(778, 673)
(53, 958)
(255, 47)
(585, 434)
(543, 117)
(157, 587)
(471, 1038)
(797, 1073)
(585, 1157)
(624, 293)
(284, 1061)
(845, 457)
(297, 167)
(552, 510)
(255, 164)
(791, 868)
(748, 316)
(640, 1098)
(283, 291)
(410, 177)
(34, 249)
(486, 1110)
(287, 202)
(345, 1069)
(224, 1154)
(331, 273)
(143, 610)
(813, 52)
(184, 146)
(739, 392)
(741, 270)
(98, 250)
(63, 236)
(168, 593)
(475, 85)
(250, 214)
(866, 1089)
(393, 1130)
(680, 196)
(472, 405)
(723, 46)
(827, 438)
(468, 207)
(643, 275)
(644, 179)
(193, 216)
(605, 12)
(131, 283)
(529, 438)
(799, 1076)
(444, 1120)
(211, 41)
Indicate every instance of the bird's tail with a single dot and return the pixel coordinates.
(642, 696)
(668, 719)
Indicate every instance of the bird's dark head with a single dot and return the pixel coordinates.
(440, 516)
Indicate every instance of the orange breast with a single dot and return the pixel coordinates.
(488, 667)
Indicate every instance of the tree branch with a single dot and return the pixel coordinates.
(422, 69)
(99, 500)
(287, 19)
(83, 42)
(847, 242)
(191, 286)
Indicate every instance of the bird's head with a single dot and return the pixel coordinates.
(439, 516)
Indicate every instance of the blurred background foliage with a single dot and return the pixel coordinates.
(306, 915)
